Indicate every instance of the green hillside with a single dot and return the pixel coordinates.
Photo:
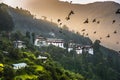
(36, 69)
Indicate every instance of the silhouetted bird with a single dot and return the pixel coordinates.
(58, 20)
(117, 42)
(71, 12)
(118, 11)
(98, 22)
(70, 2)
(67, 18)
(95, 32)
(87, 34)
(83, 30)
(83, 34)
(100, 37)
(94, 20)
(60, 23)
(113, 21)
(86, 21)
(108, 36)
(115, 32)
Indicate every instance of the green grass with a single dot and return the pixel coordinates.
(39, 68)
(24, 77)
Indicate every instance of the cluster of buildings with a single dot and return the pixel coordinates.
(42, 42)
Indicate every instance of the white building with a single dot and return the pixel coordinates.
(71, 46)
(91, 51)
(70, 49)
(19, 44)
(42, 57)
(78, 49)
(88, 49)
(41, 41)
(19, 65)
(55, 42)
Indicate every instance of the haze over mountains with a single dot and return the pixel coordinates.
(106, 21)
(105, 26)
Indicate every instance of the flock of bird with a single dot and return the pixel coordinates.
(68, 17)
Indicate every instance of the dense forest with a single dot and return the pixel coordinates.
(36, 69)
(103, 65)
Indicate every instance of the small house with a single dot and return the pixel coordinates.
(19, 65)
(71, 46)
(42, 57)
(78, 49)
(40, 41)
(88, 49)
(19, 44)
(55, 42)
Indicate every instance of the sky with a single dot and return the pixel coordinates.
(89, 1)
(21, 3)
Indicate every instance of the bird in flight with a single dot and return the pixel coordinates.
(113, 21)
(94, 32)
(70, 2)
(83, 30)
(118, 11)
(117, 42)
(100, 37)
(115, 32)
(70, 13)
(108, 36)
(98, 22)
(86, 21)
(58, 20)
(94, 20)
(60, 23)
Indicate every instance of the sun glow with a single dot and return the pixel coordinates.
(13, 3)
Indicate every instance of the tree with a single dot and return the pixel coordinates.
(8, 73)
(28, 34)
(33, 37)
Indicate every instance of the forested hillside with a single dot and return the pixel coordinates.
(36, 69)
(103, 65)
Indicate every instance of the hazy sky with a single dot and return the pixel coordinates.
(89, 1)
(22, 2)
(55, 10)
